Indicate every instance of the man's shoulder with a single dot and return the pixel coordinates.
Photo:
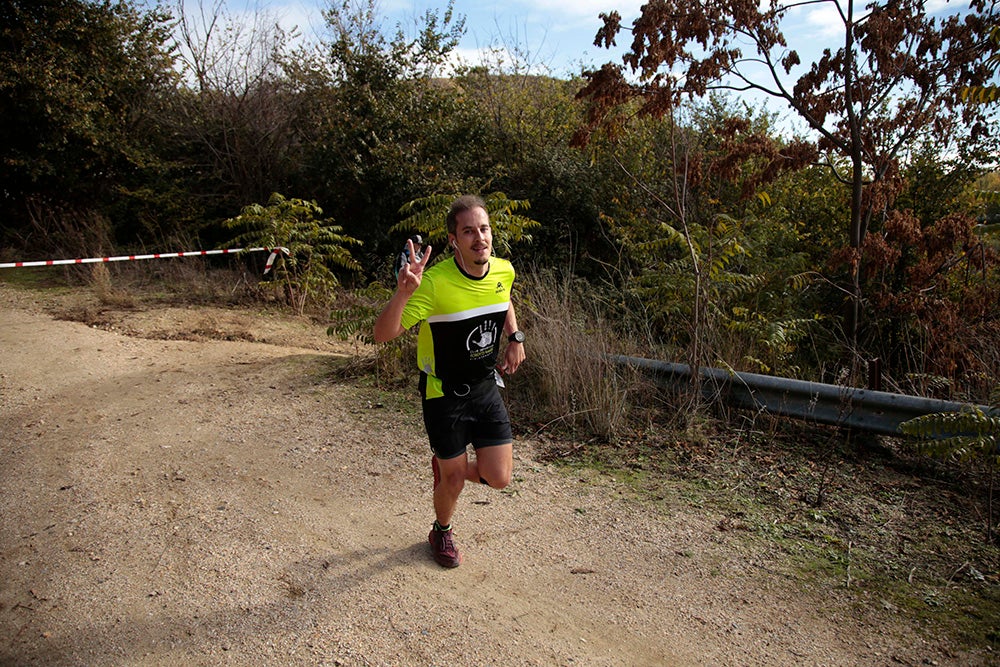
(442, 271)
(501, 263)
(446, 265)
(500, 266)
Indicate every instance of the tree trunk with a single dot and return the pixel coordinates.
(858, 230)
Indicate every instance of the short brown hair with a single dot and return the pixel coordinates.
(463, 203)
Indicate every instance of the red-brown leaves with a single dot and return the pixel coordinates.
(916, 283)
(608, 91)
(606, 35)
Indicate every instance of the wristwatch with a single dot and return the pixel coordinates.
(516, 337)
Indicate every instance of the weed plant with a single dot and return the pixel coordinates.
(569, 382)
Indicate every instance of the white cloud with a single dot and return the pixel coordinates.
(562, 10)
(946, 7)
(495, 58)
(824, 23)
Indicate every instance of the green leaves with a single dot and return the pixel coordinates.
(316, 247)
(357, 319)
(981, 94)
(76, 83)
(986, 94)
(427, 216)
(970, 434)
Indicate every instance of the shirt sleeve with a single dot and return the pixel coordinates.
(420, 304)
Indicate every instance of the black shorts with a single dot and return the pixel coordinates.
(453, 422)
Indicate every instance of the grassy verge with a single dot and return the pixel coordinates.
(876, 527)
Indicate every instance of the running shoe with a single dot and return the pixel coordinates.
(444, 549)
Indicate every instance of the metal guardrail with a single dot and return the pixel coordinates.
(862, 409)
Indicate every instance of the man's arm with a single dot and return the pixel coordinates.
(514, 355)
(389, 322)
(388, 325)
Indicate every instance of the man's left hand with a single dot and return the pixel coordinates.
(513, 357)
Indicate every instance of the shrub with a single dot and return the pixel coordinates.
(315, 247)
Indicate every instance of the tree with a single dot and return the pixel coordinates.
(77, 78)
(383, 128)
(235, 113)
(527, 121)
(933, 281)
(897, 75)
(362, 54)
(708, 271)
(316, 247)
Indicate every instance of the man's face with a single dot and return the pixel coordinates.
(473, 238)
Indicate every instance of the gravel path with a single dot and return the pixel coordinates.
(207, 502)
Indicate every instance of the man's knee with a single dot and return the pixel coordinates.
(453, 478)
(496, 479)
(495, 465)
(452, 472)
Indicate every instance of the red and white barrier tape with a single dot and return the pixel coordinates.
(159, 255)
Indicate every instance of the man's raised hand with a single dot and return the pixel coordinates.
(412, 271)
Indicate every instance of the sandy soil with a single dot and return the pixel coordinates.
(170, 498)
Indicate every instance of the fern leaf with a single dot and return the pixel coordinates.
(970, 433)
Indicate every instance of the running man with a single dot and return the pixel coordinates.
(464, 310)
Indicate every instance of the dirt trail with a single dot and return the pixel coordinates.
(206, 502)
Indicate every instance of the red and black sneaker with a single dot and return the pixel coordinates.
(444, 549)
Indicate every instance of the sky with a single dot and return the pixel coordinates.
(553, 37)
(554, 34)
(557, 34)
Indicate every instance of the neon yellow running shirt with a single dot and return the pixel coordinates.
(461, 322)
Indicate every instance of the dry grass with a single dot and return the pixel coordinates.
(574, 384)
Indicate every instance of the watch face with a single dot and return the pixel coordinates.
(517, 337)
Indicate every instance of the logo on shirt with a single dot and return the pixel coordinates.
(500, 287)
(480, 340)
